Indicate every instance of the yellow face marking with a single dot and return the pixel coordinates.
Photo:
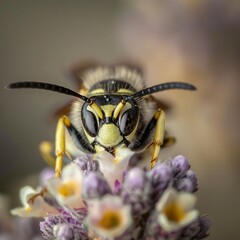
(99, 148)
(124, 90)
(108, 110)
(118, 109)
(97, 91)
(90, 138)
(109, 135)
(97, 109)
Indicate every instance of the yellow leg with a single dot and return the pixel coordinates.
(60, 148)
(158, 136)
(46, 150)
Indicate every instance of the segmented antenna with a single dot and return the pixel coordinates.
(161, 87)
(47, 86)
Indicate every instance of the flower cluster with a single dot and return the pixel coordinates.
(102, 197)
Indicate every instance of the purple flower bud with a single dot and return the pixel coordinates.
(190, 231)
(136, 178)
(95, 186)
(72, 218)
(153, 231)
(192, 176)
(137, 190)
(180, 166)
(87, 164)
(204, 225)
(63, 232)
(117, 187)
(66, 231)
(47, 225)
(160, 177)
(197, 229)
(184, 184)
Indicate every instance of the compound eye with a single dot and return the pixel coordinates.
(128, 121)
(90, 122)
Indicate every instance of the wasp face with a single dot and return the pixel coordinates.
(107, 113)
(104, 127)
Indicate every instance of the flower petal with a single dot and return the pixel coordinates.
(187, 201)
(169, 195)
(71, 172)
(175, 209)
(109, 217)
(113, 168)
(25, 193)
(68, 190)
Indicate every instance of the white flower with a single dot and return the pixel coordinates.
(33, 204)
(113, 167)
(176, 209)
(68, 189)
(108, 217)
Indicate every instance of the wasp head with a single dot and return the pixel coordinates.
(109, 121)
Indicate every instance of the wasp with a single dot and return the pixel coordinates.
(112, 108)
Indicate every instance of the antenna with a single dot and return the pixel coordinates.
(49, 87)
(161, 87)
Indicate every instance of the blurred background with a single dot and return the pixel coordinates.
(193, 41)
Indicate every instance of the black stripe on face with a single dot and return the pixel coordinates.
(107, 99)
(112, 148)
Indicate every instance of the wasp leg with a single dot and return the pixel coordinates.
(158, 136)
(60, 144)
(47, 152)
(60, 147)
(41, 193)
(46, 149)
(152, 136)
(168, 141)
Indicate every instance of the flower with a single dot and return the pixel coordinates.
(35, 207)
(180, 166)
(45, 174)
(68, 189)
(63, 231)
(67, 225)
(175, 209)
(109, 217)
(137, 191)
(103, 197)
(160, 176)
(95, 186)
(114, 167)
(87, 164)
(198, 229)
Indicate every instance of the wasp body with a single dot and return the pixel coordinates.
(113, 108)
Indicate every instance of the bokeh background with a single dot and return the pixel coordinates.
(193, 41)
